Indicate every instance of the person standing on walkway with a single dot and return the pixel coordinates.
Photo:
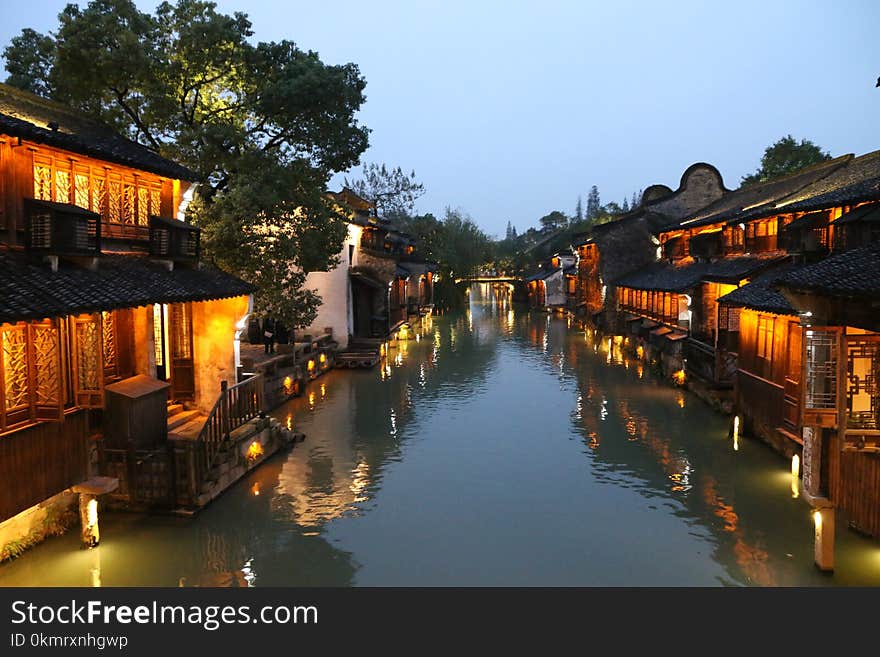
(269, 334)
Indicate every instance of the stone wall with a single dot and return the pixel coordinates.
(213, 349)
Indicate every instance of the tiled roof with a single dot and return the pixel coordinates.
(733, 270)
(25, 115)
(29, 289)
(665, 277)
(761, 294)
(755, 200)
(858, 181)
(540, 275)
(854, 273)
(862, 213)
(678, 278)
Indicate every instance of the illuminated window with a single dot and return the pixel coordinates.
(821, 380)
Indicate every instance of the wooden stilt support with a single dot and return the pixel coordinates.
(823, 547)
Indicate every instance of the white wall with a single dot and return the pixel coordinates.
(334, 289)
(555, 289)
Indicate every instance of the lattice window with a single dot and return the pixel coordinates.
(821, 380)
(62, 186)
(99, 196)
(158, 335)
(88, 351)
(47, 375)
(15, 368)
(108, 334)
(181, 330)
(155, 202)
(863, 383)
(43, 182)
(143, 206)
(115, 195)
(30, 371)
(81, 190)
(128, 197)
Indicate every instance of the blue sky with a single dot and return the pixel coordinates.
(508, 110)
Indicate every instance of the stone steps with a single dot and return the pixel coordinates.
(180, 418)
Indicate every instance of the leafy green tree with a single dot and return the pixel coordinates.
(392, 192)
(265, 126)
(786, 156)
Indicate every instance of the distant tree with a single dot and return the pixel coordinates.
(636, 200)
(625, 206)
(786, 156)
(593, 203)
(579, 211)
(554, 220)
(513, 233)
(509, 234)
(393, 192)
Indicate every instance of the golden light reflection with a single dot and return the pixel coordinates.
(289, 422)
(736, 433)
(323, 389)
(255, 489)
(795, 473)
(255, 451)
(640, 352)
(680, 401)
(312, 399)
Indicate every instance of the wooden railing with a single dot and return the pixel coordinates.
(714, 366)
(761, 400)
(236, 405)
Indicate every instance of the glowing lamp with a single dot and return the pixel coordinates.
(255, 451)
(817, 520)
(679, 377)
(323, 358)
(288, 385)
(311, 366)
(640, 351)
(795, 466)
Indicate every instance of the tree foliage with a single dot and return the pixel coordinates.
(392, 192)
(264, 125)
(786, 155)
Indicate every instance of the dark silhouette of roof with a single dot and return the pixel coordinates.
(29, 289)
(851, 274)
(37, 119)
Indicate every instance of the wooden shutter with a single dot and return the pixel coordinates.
(45, 370)
(88, 361)
(15, 388)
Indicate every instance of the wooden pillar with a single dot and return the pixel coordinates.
(823, 546)
(88, 516)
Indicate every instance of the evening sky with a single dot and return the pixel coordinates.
(511, 109)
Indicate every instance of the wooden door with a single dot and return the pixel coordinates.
(183, 384)
(794, 361)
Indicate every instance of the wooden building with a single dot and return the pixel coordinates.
(553, 286)
(100, 281)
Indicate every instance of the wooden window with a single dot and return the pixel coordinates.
(765, 338)
(863, 383)
(181, 329)
(821, 374)
(81, 189)
(43, 181)
(88, 370)
(62, 186)
(30, 373)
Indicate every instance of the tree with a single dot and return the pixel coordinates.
(554, 220)
(625, 206)
(593, 203)
(579, 211)
(636, 200)
(265, 126)
(392, 192)
(786, 156)
(509, 234)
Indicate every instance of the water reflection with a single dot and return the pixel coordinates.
(496, 446)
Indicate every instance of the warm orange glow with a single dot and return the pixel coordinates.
(255, 451)
(679, 377)
(255, 489)
(323, 358)
(311, 366)
(640, 351)
(403, 333)
(795, 471)
(288, 385)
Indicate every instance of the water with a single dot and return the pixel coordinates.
(500, 448)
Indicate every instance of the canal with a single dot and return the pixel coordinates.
(495, 447)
